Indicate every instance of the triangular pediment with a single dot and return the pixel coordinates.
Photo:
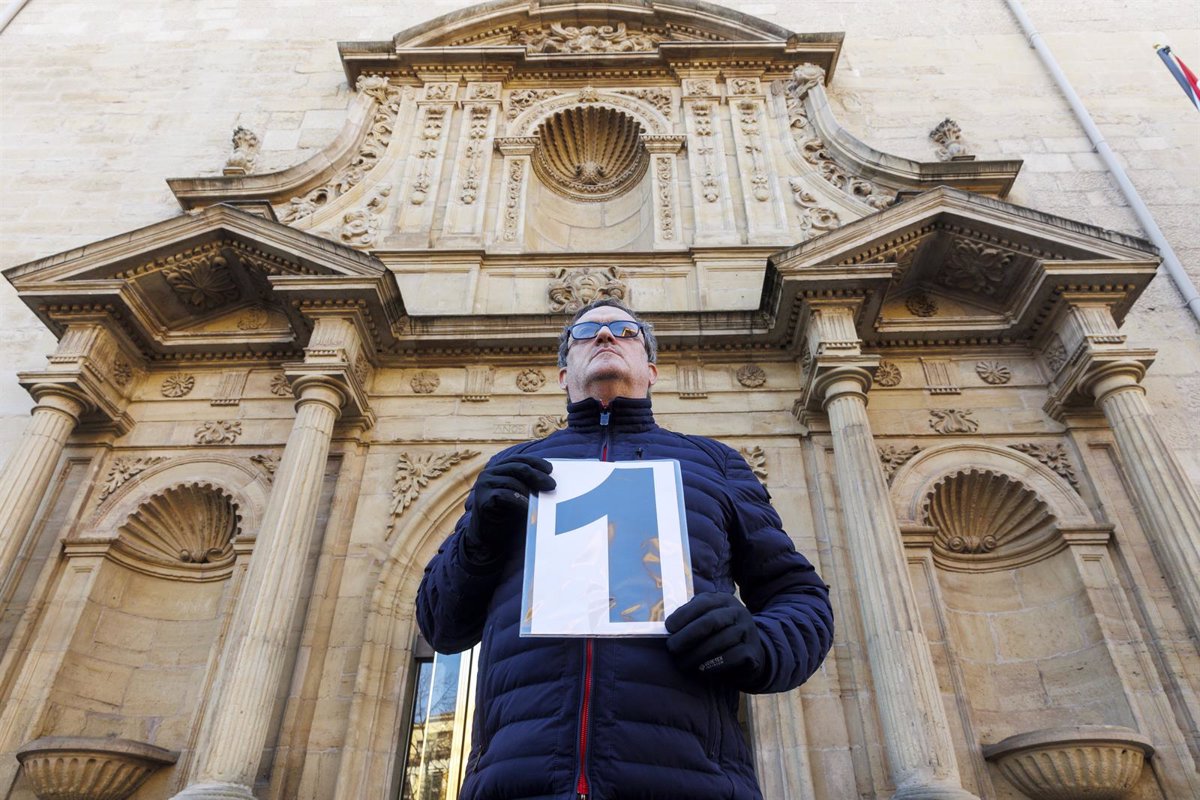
(220, 280)
(968, 267)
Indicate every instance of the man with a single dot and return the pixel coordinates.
(627, 718)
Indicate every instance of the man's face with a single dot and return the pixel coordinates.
(607, 367)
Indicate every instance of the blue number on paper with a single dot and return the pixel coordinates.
(626, 498)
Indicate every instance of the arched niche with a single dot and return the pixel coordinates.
(370, 755)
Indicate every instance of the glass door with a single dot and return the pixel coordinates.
(439, 737)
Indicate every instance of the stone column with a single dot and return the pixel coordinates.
(238, 722)
(1167, 502)
(916, 733)
(26, 474)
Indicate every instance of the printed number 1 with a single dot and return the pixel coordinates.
(626, 498)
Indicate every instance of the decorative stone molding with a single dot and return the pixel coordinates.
(590, 152)
(89, 768)
(245, 151)
(888, 374)
(122, 469)
(233, 384)
(522, 99)
(977, 512)
(548, 424)
(993, 372)
(122, 371)
(558, 38)
(218, 432)
(952, 420)
(976, 267)
(479, 121)
(440, 92)
(940, 376)
(699, 87)
(191, 525)
(1053, 455)
(751, 129)
(252, 320)
(661, 99)
(948, 136)
(920, 304)
(267, 463)
(756, 457)
(744, 86)
(751, 376)
(179, 384)
(429, 148)
(203, 281)
(280, 387)
(702, 119)
(530, 380)
(691, 382)
(479, 384)
(360, 227)
(1056, 355)
(572, 289)
(512, 200)
(815, 219)
(413, 474)
(893, 458)
(424, 382)
(1080, 762)
(664, 174)
(379, 135)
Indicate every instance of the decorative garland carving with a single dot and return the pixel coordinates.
(204, 281)
(920, 304)
(424, 382)
(748, 120)
(280, 386)
(387, 105)
(892, 458)
(572, 289)
(661, 99)
(888, 374)
(993, 372)
(512, 202)
(218, 432)
(190, 524)
(360, 227)
(522, 99)
(952, 420)
(548, 424)
(431, 142)
(178, 385)
(560, 38)
(245, 151)
(413, 473)
(978, 512)
(530, 380)
(124, 468)
(948, 136)
(480, 117)
(756, 458)
(976, 267)
(662, 168)
(702, 114)
(751, 376)
(1053, 456)
(814, 219)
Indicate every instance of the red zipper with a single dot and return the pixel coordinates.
(581, 786)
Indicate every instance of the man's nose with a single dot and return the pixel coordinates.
(605, 333)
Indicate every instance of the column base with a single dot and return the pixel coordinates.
(935, 791)
(215, 791)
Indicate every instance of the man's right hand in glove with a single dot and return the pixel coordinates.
(501, 505)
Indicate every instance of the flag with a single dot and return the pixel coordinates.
(1183, 76)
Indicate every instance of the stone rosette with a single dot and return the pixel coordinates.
(1081, 762)
(89, 768)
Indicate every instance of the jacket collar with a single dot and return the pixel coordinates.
(626, 414)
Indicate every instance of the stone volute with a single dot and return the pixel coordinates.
(89, 768)
(1080, 762)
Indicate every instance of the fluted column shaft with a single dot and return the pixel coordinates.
(916, 733)
(27, 472)
(1167, 502)
(238, 724)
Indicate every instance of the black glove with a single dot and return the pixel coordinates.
(502, 503)
(715, 634)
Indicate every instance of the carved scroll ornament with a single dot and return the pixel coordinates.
(413, 474)
(572, 289)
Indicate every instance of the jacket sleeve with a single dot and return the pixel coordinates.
(455, 592)
(789, 601)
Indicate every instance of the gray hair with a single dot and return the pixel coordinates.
(564, 338)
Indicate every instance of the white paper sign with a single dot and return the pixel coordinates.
(606, 552)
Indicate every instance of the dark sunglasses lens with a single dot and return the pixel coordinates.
(585, 330)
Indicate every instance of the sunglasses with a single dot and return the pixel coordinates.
(619, 328)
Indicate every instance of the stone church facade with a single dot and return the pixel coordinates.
(258, 419)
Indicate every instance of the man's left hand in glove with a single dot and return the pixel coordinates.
(715, 634)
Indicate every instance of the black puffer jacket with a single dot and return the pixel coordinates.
(650, 731)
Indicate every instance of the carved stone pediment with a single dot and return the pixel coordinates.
(221, 281)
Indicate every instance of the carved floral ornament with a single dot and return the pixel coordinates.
(122, 469)
(888, 374)
(993, 372)
(1053, 455)
(892, 458)
(756, 458)
(204, 281)
(218, 432)
(572, 289)
(558, 38)
(952, 420)
(751, 376)
(530, 380)
(425, 382)
(178, 385)
(413, 474)
(548, 424)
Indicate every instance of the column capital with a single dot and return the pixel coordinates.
(1090, 376)
(78, 394)
(62, 397)
(826, 377)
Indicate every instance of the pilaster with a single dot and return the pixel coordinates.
(469, 184)
(711, 199)
(426, 159)
(514, 186)
(668, 227)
